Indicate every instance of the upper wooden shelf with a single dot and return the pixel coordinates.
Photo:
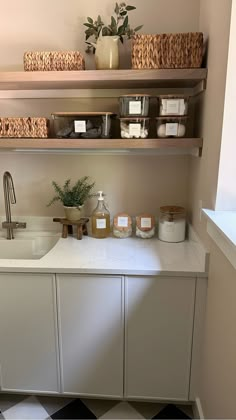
(104, 79)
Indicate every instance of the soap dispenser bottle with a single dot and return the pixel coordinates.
(100, 219)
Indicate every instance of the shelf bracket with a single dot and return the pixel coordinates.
(199, 88)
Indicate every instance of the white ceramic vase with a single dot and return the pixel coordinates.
(107, 53)
(73, 213)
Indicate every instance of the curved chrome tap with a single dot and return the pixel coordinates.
(10, 198)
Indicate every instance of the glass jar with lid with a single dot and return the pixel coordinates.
(172, 224)
(134, 105)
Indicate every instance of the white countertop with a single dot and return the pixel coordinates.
(116, 256)
(221, 226)
(225, 221)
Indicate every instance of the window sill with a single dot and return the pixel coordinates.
(221, 227)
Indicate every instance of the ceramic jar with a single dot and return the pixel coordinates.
(107, 53)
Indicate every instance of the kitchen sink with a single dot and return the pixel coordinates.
(27, 246)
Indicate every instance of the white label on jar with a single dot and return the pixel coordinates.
(101, 223)
(135, 130)
(171, 129)
(80, 126)
(172, 106)
(169, 226)
(135, 107)
(122, 221)
(146, 222)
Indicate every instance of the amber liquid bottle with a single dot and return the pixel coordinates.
(100, 219)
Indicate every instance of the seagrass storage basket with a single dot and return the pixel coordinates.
(24, 127)
(167, 51)
(53, 61)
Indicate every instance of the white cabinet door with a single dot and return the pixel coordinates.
(159, 323)
(91, 334)
(28, 343)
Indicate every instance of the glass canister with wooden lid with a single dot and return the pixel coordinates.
(134, 105)
(172, 224)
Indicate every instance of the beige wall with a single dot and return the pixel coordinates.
(215, 24)
(132, 183)
(48, 25)
(226, 191)
(218, 371)
(218, 383)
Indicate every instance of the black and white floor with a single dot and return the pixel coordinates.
(21, 407)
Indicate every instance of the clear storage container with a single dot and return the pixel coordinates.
(145, 226)
(122, 225)
(134, 105)
(134, 128)
(85, 125)
(171, 126)
(173, 105)
(172, 224)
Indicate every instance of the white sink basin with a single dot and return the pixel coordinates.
(27, 247)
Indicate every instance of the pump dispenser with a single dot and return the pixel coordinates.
(100, 219)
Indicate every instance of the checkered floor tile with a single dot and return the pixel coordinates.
(16, 407)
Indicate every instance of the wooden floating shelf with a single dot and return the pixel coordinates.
(104, 79)
(99, 144)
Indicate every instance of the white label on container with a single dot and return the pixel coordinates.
(135, 107)
(80, 126)
(146, 222)
(135, 130)
(122, 221)
(171, 129)
(101, 223)
(173, 106)
(169, 226)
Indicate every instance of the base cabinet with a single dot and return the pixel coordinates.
(91, 334)
(159, 324)
(101, 335)
(28, 333)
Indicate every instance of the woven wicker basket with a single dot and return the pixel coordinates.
(24, 127)
(167, 51)
(53, 61)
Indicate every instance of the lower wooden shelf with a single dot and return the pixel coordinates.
(168, 143)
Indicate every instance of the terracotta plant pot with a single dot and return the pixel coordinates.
(73, 213)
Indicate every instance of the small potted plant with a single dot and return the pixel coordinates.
(73, 197)
(105, 37)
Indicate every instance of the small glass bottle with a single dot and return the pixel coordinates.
(100, 219)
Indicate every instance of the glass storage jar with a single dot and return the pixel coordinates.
(171, 126)
(145, 226)
(134, 128)
(122, 225)
(172, 224)
(134, 105)
(173, 105)
(85, 125)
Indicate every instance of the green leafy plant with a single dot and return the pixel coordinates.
(119, 26)
(73, 196)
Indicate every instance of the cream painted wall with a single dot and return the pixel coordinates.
(226, 189)
(48, 25)
(217, 385)
(215, 24)
(132, 183)
(218, 381)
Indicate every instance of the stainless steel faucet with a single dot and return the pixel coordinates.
(10, 198)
